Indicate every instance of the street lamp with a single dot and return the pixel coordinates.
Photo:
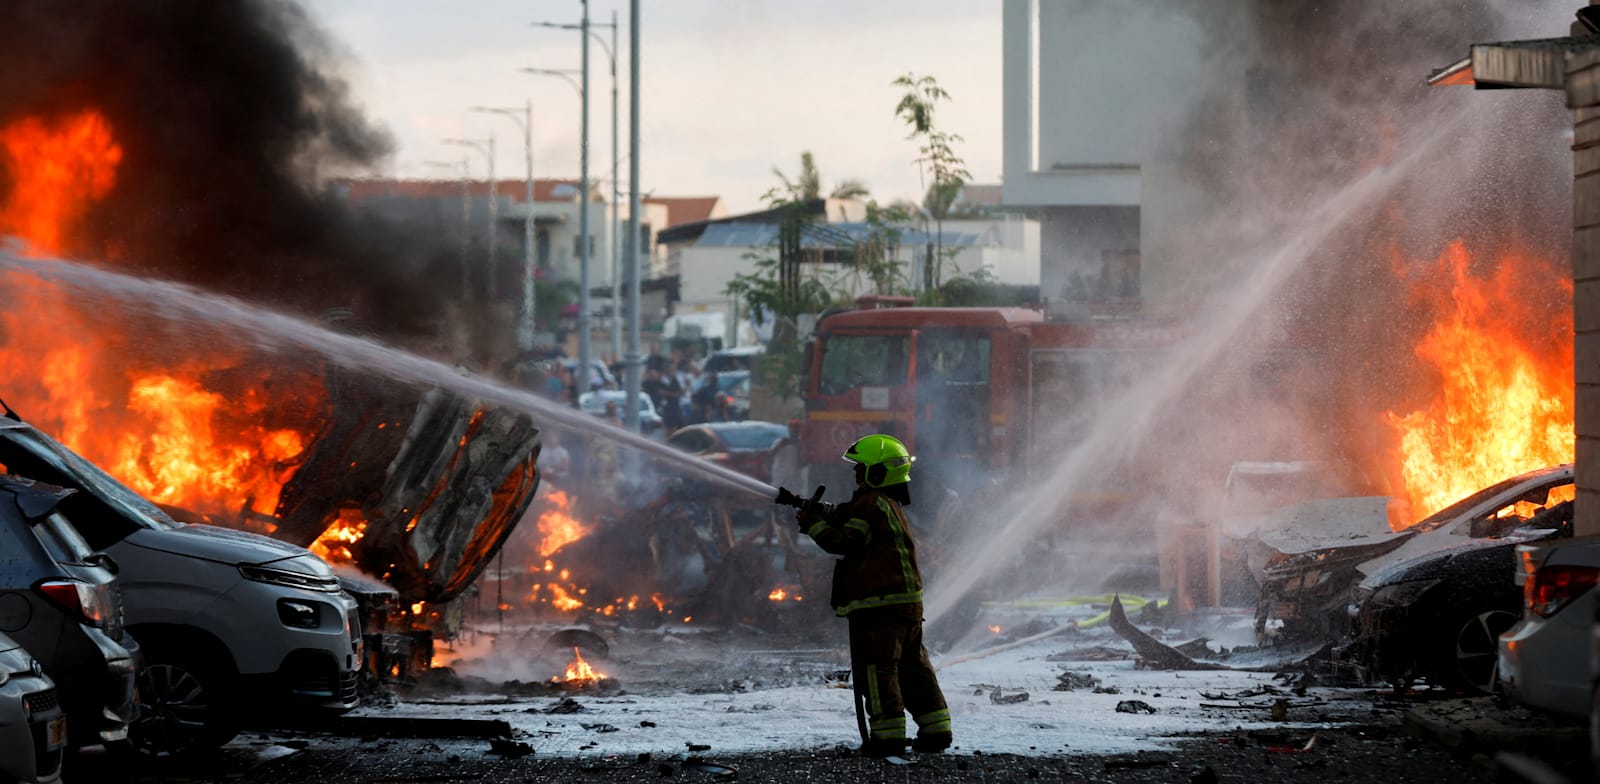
(486, 147)
(583, 206)
(527, 326)
(613, 242)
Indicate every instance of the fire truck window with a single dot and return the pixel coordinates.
(850, 361)
(953, 359)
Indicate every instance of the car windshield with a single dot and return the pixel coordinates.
(753, 438)
(850, 361)
(32, 454)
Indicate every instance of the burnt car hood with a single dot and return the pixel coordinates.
(1331, 524)
(1419, 558)
(225, 545)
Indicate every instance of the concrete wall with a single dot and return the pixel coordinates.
(1583, 95)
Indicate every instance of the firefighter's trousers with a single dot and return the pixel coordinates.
(892, 672)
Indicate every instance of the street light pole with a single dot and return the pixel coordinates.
(614, 242)
(583, 205)
(633, 361)
(527, 326)
(486, 148)
(583, 212)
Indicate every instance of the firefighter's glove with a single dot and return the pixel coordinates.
(806, 517)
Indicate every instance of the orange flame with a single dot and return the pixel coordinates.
(157, 425)
(333, 545)
(561, 600)
(778, 595)
(557, 527)
(1505, 397)
(579, 672)
(57, 171)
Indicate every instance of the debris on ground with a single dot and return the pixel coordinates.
(566, 705)
(1072, 681)
(1154, 653)
(1135, 706)
(999, 697)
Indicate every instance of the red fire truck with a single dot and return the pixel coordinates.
(972, 391)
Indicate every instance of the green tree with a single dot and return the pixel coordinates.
(936, 153)
(807, 184)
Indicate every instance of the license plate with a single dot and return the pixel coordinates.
(56, 731)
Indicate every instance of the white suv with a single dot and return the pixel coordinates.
(231, 623)
(1544, 658)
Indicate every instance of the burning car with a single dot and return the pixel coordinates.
(1438, 616)
(1323, 549)
(253, 623)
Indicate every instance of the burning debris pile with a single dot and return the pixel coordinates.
(673, 553)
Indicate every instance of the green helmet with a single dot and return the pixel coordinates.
(887, 460)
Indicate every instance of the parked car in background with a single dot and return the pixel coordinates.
(253, 625)
(746, 447)
(33, 727)
(594, 403)
(743, 358)
(731, 400)
(1438, 616)
(1545, 656)
(1332, 545)
(60, 601)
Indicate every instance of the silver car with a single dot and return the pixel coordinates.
(1544, 658)
(33, 728)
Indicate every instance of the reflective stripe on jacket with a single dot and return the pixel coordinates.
(879, 567)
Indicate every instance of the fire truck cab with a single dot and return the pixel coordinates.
(971, 391)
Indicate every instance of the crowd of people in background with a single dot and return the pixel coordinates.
(679, 391)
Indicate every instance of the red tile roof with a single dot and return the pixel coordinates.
(687, 209)
(551, 190)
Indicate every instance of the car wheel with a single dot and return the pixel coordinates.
(1471, 662)
(183, 707)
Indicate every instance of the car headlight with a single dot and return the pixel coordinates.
(299, 615)
(310, 582)
(1400, 594)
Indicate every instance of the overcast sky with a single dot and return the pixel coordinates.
(729, 89)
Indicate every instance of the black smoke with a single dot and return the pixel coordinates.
(230, 117)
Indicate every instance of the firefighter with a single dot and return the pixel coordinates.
(877, 588)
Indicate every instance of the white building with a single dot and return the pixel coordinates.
(1085, 119)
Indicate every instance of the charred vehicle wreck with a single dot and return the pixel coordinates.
(1426, 601)
(409, 493)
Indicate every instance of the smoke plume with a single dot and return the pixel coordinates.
(228, 114)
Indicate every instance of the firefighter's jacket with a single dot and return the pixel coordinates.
(879, 567)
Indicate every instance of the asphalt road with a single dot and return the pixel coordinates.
(1379, 752)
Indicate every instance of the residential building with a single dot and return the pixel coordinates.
(707, 255)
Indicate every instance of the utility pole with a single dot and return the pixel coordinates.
(616, 205)
(583, 217)
(614, 240)
(527, 324)
(633, 359)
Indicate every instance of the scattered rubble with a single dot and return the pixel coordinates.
(1072, 681)
(1135, 706)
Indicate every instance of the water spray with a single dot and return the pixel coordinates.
(273, 331)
